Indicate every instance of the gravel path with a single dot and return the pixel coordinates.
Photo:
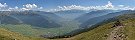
(117, 34)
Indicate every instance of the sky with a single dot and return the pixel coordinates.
(59, 4)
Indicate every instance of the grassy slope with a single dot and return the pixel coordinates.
(8, 35)
(129, 29)
(95, 34)
(100, 32)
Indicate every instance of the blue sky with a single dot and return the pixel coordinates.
(50, 4)
(55, 3)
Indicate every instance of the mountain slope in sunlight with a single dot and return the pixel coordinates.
(8, 35)
(102, 31)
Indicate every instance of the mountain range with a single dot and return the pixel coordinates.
(57, 24)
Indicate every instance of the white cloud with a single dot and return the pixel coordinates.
(107, 6)
(16, 8)
(26, 7)
(121, 5)
(40, 8)
(78, 7)
(29, 6)
(3, 5)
